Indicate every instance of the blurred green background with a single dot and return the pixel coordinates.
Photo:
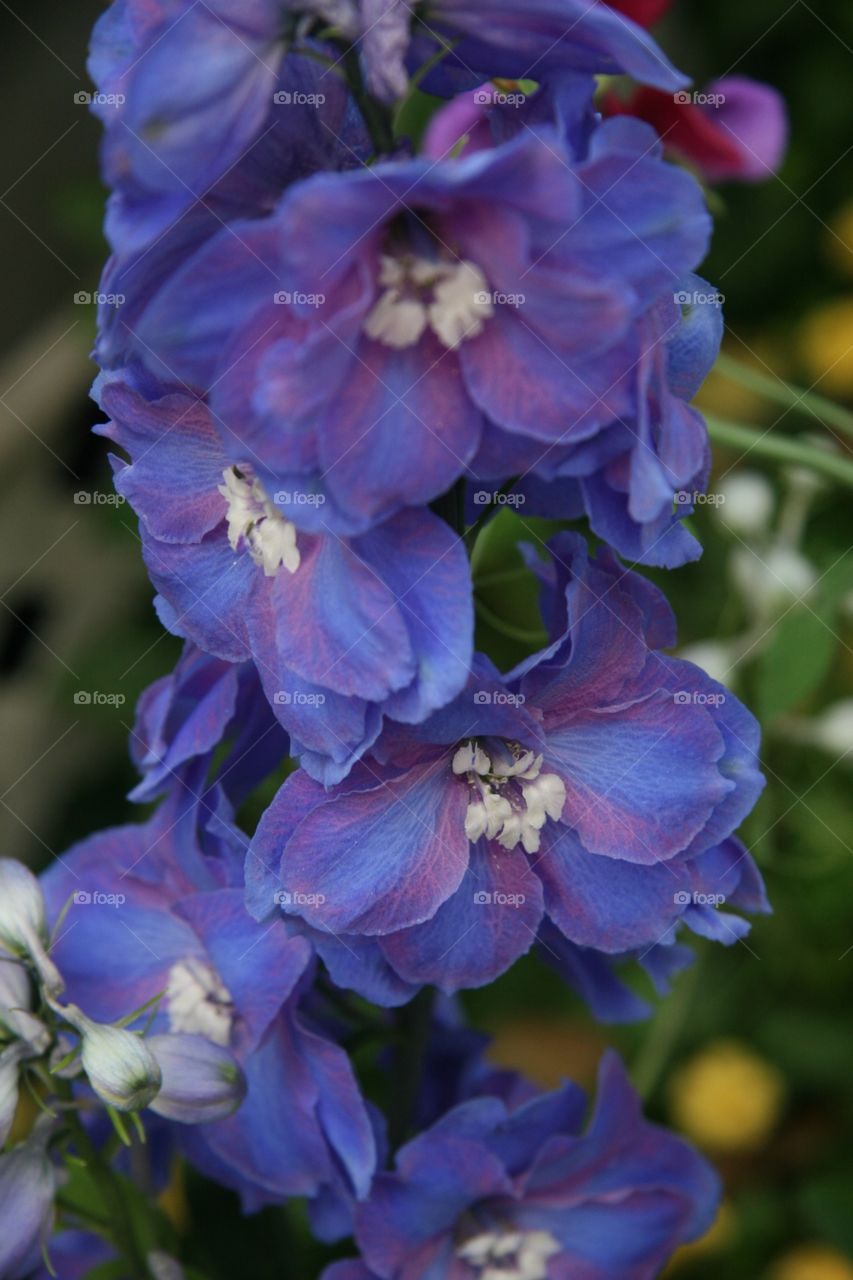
(753, 1054)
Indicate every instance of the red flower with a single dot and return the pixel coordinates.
(643, 12)
(736, 130)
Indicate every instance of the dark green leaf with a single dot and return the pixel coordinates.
(797, 660)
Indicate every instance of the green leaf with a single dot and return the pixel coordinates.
(779, 447)
(114, 1270)
(825, 1205)
(80, 1193)
(151, 1227)
(777, 389)
(812, 1047)
(799, 655)
(414, 114)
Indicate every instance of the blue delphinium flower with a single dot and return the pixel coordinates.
(186, 90)
(520, 1189)
(341, 630)
(158, 909)
(655, 449)
(183, 718)
(640, 476)
(385, 329)
(201, 102)
(596, 786)
(314, 127)
(497, 38)
(316, 347)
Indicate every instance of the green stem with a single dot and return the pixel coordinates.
(824, 411)
(376, 118)
(97, 1221)
(473, 532)
(121, 1229)
(413, 1022)
(779, 448)
(664, 1033)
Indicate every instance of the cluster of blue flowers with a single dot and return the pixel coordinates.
(379, 256)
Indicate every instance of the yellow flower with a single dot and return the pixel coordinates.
(727, 1098)
(812, 1262)
(826, 347)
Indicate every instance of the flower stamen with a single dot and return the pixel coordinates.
(451, 298)
(198, 1001)
(254, 521)
(513, 799)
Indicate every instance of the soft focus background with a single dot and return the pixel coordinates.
(752, 1055)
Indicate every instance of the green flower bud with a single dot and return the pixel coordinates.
(119, 1064)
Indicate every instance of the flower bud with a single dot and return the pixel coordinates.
(15, 992)
(10, 1063)
(16, 1020)
(23, 923)
(119, 1064)
(28, 1183)
(202, 1081)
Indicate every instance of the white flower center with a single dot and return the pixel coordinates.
(510, 1255)
(254, 520)
(198, 1001)
(513, 799)
(451, 298)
